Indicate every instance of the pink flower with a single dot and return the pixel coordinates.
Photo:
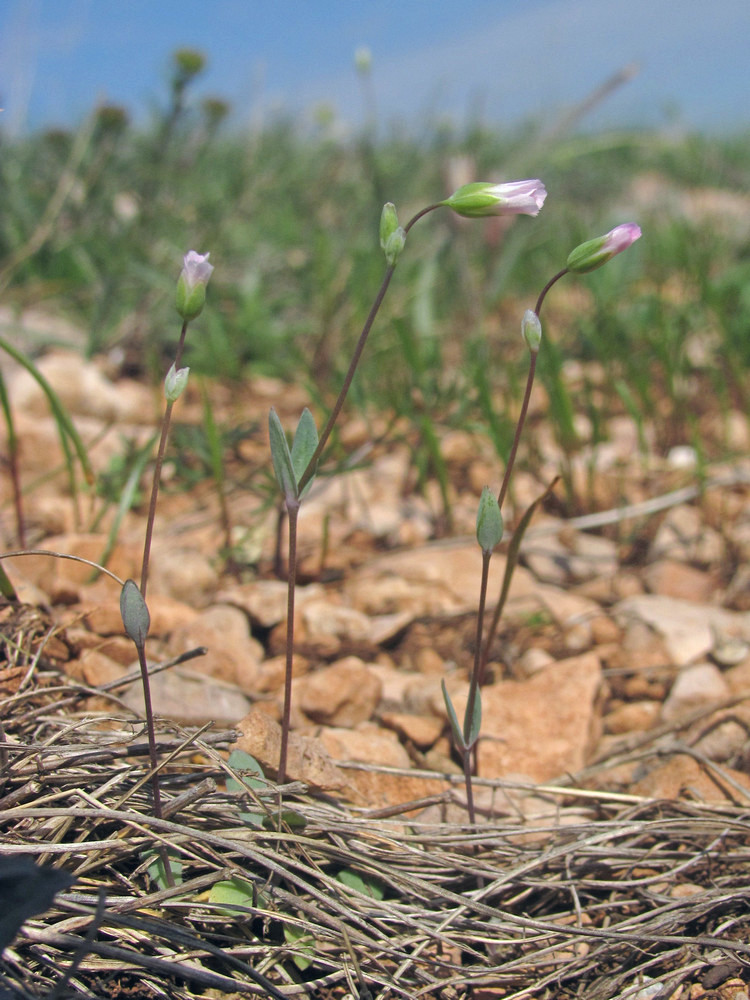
(510, 198)
(191, 284)
(195, 269)
(593, 253)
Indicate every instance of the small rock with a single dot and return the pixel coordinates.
(95, 668)
(343, 694)
(421, 730)
(367, 745)
(684, 777)
(684, 537)
(678, 579)
(542, 727)
(633, 717)
(232, 655)
(696, 686)
(532, 660)
(687, 628)
(182, 573)
(725, 739)
(307, 759)
(190, 699)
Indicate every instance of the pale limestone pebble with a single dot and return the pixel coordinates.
(307, 759)
(437, 579)
(190, 698)
(421, 730)
(687, 629)
(609, 590)
(82, 389)
(567, 608)
(272, 672)
(696, 686)
(322, 627)
(345, 693)
(167, 615)
(678, 579)
(643, 648)
(604, 630)
(724, 737)
(563, 555)
(542, 727)
(368, 744)
(531, 661)
(95, 668)
(682, 777)
(232, 655)
(183, 573)
(428, 661)
(578, 637)
(265, 601)
(683, 535)
(116, 647)
(633, 717)
(396, 684)
(33, 329)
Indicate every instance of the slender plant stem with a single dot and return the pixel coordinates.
(477, 673)
(293, 512)
(477, 677)
(519, 428)
(157, 472)
(155, 788)
(466, 753)
(330, 423)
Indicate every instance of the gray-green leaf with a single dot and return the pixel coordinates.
(303, 447)
(134, 612)
(282, 458)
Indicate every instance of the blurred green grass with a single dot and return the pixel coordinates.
(95, 224)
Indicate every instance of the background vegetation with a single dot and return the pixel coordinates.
(94, 222)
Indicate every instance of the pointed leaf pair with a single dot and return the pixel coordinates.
(290, 464)
(476, 721)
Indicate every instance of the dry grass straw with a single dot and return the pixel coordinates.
(584, 901)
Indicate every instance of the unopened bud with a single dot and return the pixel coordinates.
(593, 253)
(531, 328)
(191, 285)
(175, 382)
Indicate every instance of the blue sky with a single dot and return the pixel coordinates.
(507, 58)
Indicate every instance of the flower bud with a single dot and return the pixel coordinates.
(175, 382)
(531, 329)
(388, 222)
(489, 521)
(593, 253)
(191, 285)
(512, 198)
(394, 245)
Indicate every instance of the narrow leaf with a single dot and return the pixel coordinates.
(134, 612)
(282, 458)
(304, 445)
(473, 726)
(458, 735)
